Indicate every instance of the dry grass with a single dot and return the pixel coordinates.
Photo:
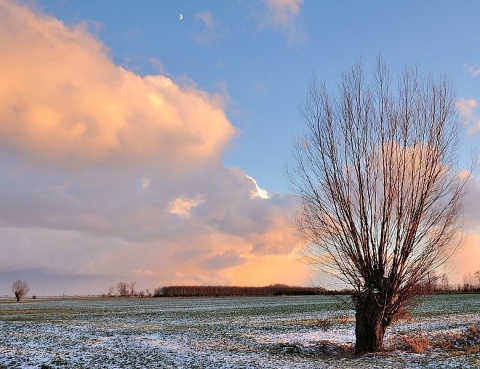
(418, 344)
(467, 340)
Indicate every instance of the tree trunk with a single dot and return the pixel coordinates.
(370, 324)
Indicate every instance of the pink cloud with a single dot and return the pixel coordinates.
(210, 31)
(283, 12)
(62, 100)
(282, 15)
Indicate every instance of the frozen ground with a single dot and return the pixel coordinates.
(268, 332)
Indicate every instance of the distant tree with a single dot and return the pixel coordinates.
(132, 288)
(430, 282)
(122, 289)
(148, 293)
(111, 292)
(20, 289)
(468, 281)
(476, 275)
(379, 188)
(444, 282)
(159, 291)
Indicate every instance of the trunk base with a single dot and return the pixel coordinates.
(370, 324)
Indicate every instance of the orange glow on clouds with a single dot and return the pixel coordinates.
(72, 105)
(117, 176)
(271, 269)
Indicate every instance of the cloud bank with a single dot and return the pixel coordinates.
(107, 175)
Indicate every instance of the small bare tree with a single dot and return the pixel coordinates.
(122, 288)
(20, 289)
(111, 292)
(476, 275)
(132, 288)
(444, 282)
(378, 188)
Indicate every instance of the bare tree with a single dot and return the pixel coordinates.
(476, 275)
(111, 292)
(20, 289)
(378, 188)
(444, 282)
(122, 288)
(468, 282)
(132, 288)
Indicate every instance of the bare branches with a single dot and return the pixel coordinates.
(20, 289)
(377, 181)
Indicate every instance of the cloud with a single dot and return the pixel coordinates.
(474, 70)
(209, 33)
(466, 261)
(282, 15)
(182, 206)
(260, 192)
(106, 175)
(224, 260)
(62, 100)
(283, 12)
(466, 108)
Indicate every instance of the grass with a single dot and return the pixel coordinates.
(217, 333)
(467, 340)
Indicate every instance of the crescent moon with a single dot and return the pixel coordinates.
(180, 17)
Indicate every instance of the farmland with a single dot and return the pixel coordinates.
(254, 332)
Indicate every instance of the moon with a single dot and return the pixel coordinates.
(180, 17)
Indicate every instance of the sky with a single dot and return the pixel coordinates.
(147, 140)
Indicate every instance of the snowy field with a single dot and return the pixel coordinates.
(266, 332)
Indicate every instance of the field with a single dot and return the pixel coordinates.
(255, 332)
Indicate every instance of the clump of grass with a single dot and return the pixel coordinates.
(321, 349)
(472, 349)
(474, 331)
(324, 324)
(417, 344)
(467, 340)
(343, 319)
(332, 349)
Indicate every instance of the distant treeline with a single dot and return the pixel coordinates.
(272, 290)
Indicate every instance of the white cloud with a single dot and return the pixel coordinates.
(182, 206)
(259, 192)
(467, 108)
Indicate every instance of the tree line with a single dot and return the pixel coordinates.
(272, 290)
(434, 283)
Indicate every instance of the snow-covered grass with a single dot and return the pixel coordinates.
(253, 332)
